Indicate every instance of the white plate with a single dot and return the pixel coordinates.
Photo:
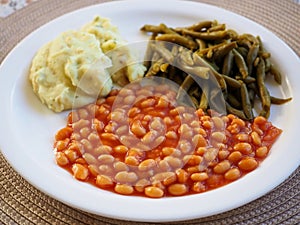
(27, 127)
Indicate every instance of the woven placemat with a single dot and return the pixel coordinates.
(21, 203)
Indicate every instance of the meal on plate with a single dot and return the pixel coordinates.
(182, 122)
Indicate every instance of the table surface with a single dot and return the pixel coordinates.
(21, 203)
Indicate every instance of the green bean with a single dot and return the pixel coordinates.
(187, 83)
(206, 50)
(263, 92)
(162, 28)
(151, 28)
(232, 35)
(185, 57)
(249, 80)
(266, 56)
(275, 72)
(195, 102)
(163, 52)
(217, 27)
(154, 68)
(203, 102)
(246, 103)
(215, 35)
(243, 51)
(184, 87)
(253, 86)
(241, 64)
(199, 71)
(224, 50)
(198, 26)
(231, 81)
(172, 72)
(233, 101)
(201, 62)
(245, 43)
(279, 101)
(178, 39)
(155, 57)
(252, 95)
(227, 63)
(166, 29)
(201, 44)
(164, 67)
(235, 111)
(216, 100)
(251, 56)
(249, 38)
(256, 61)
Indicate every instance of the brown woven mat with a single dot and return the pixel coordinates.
(21, 203)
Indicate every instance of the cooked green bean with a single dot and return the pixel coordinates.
(241, 64)
(244, 43)
(201, 62)
(187, 83)
(250, 38)
(249, 80)
(233, 101)
(232, 35)
(251, 56)
(216, 100)
(266, 56)
(224, 50)
(195, 102)
(185, 57)
(164, 67)
(199, 71)
(202, 44)
(198, 26)
(231, 81)
(205, 50)
(181, 40)
(163, 52)
(275, 72)
(215, 35)
(228, 63)
(235, 111)
(246, 103)
(279, 101)
(162, 28)
(184, 87)
(203, 102)
(263, 92)
(154, 68)
(243, 51)
(217, 27)
(252, 95)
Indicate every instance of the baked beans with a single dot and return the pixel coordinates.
(139, 141)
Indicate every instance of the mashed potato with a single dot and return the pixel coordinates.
(79, 66)
(125, 68)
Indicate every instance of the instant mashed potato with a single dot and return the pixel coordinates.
(79, 66)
